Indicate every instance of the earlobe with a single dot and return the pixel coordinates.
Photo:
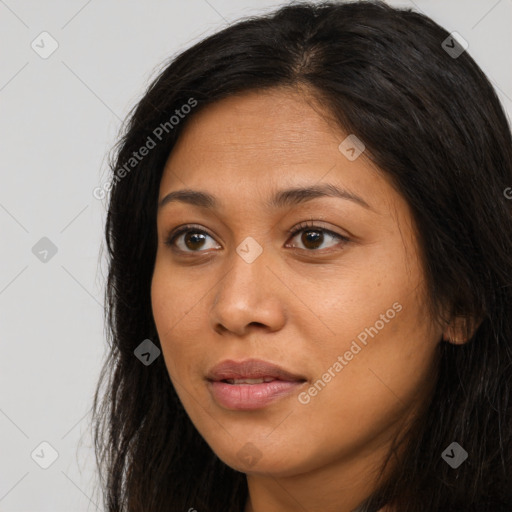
(457, 331)
(452, 338)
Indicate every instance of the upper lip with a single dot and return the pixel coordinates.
(250, 369)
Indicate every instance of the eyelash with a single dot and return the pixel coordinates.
(303, 226)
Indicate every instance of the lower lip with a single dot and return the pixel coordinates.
(251, 396)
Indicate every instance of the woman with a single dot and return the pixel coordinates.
(310, 250)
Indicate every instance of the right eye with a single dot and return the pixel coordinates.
(194, 238)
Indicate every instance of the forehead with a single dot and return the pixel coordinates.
(248, 145)
(277, 126)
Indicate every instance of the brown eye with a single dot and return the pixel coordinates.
(314, 236)
(192, 241)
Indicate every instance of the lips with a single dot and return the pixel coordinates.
(251, 384)
(251, 369)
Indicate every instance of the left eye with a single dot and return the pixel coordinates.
(313, 237)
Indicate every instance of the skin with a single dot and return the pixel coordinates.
(299, 305)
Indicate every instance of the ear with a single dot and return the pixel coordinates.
(456, 331)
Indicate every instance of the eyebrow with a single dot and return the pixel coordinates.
(281, 199)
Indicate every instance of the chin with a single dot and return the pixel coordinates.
(267, 460)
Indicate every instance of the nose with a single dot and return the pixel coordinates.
(249, 296)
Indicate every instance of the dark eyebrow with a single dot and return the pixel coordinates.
(281, 199)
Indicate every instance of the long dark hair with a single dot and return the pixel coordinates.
(432, 123)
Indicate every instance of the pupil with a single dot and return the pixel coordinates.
(307, 238)
(195, 237)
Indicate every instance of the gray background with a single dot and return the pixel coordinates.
(59, 117)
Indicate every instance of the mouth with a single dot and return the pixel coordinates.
(250, 384)
(249, 381)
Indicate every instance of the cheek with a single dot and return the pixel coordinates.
(386, 342)
(169, 312)
(380, 378)
(178, 311)
(173, 300)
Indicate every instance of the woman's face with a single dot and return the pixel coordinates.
(338, 305)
